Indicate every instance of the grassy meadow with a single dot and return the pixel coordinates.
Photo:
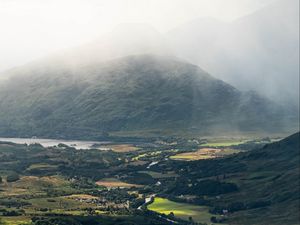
(115, 183)
(184, 211)
(204, 153)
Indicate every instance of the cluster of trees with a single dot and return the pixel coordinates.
(185, 186)
(145, 218)
(5, 212)
(13, 203)
(62, 160)
(238, 206)
(139, 178)
(215, 219)
(11, 177)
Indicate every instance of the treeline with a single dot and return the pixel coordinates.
(184, 186)
(139, 218)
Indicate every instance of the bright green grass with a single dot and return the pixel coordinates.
(228, 143)
(191, 157)
(149, 154)
(16, 220)
(205, 153)
(199, 214)
(223, 143)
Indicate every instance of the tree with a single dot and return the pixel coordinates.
(12, 177)
(213, 219)
(171, 215)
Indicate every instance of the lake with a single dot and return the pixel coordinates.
(53, 142)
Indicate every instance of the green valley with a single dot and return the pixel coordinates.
(61, 183)
(144, 112)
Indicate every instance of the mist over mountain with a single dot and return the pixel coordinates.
(151, 122)
(124, 40)
(131, 93)
(258, 52)
(131, 79)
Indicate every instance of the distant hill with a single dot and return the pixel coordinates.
(267, 180)
(258, 52)
(270, 185)
(142, 92)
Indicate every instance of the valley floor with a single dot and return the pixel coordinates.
(168, 181)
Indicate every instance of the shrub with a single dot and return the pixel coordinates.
(12, 177)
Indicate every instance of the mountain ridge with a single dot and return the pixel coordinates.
(132, 93)
(258, 52)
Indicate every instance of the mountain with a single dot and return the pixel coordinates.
(142, 92)
(270, 184)
(202, 35)
(267, 183)
(257, 52)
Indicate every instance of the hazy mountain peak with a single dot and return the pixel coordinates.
(142, 28)
(259, 51)
(125, 39)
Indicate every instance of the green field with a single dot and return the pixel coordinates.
(204, 153)
(41, 166)
(16, 220)
(224, 143)
(199, 214)
(70, 184)
(235, 142)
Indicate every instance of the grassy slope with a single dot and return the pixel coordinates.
(204, 153)
(268, 181)
(273, 176)
(184, 211)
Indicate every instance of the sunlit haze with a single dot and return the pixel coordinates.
(32, 28)
(149, 112)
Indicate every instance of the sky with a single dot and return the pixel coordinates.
(31, 29)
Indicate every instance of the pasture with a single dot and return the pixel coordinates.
(121, 148)
(204, 153)
(223, 143)
(184, 211)
(16, 220)
(115, 183)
